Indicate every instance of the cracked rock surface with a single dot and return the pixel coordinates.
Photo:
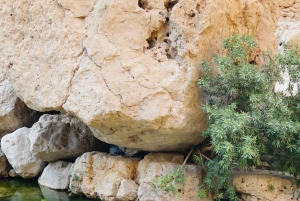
(99, 175)
(264, 185)
(155, 165)
(14, 113)
(127, 69)
(288, 30)
(56, 137)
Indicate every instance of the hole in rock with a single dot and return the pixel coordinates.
(152, 40)
(192, 14)
(169, 5)
(151, 43)
(143, 4)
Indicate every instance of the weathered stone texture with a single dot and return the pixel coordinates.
(289, 10)
(127, 69)
(16, 147)
(99, 175)
(127, 190)
(261, 185)
(14, 113)
(56, 137)
(56, 175)
(110, 178)
(156, 165)
(288, 30)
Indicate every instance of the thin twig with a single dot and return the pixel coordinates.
(203, 155)
(187, 157)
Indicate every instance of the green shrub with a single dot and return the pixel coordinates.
(246, 117)
(171, 182)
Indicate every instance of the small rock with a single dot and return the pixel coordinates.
(127, 190)
(129, 152)
(155, 165)
(57, 137)
(16, 147)
(12, 173)
(56, 175)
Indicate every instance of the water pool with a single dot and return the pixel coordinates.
(29, 190)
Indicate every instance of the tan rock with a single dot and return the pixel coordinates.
(288, 30)
(41, 45)
(287, 3)
(127, 190)
(156, 165)
(79, 8)
(263, 185)
(14, 113)
(128, 69)
(99, 175)
(289, 10)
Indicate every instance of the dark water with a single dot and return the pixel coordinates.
(29, 190)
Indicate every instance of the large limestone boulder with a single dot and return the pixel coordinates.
(4, 165)
(127, 69)
(56, 137)
(99, 175)
(56, 175)
(14, 113)
(16, 147)
(264, 185)
(157, 165)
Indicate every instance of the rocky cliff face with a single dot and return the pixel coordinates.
(127, 69)
(288, 30)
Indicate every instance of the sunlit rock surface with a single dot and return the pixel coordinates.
(56, 175)
(56, 137)
(264, 185)
(127, 69)
(14, 113)
(99, 175)
(16, 147)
